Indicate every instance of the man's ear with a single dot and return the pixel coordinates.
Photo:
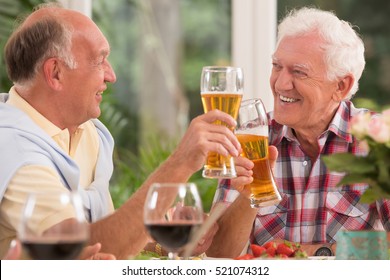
(52, 68)
(344, 85)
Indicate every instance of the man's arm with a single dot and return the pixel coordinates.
(235, 227)
(123, 233)
(236, 223)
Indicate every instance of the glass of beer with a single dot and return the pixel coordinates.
(221, 88)
(252, 132)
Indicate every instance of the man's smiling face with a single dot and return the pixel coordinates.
(302, 92)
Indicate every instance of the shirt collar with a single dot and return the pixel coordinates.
(339, 124)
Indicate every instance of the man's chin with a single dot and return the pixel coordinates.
(96, 115)
(281, 120)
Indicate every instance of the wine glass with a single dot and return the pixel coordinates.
(221, 88)
(53, 226)
(252, 132)
(172, 213)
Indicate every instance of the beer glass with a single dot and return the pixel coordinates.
(221, 88)
(252, 132)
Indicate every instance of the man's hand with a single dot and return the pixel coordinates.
(205, 242)
(14, 251)
(92, 252)
(203, 136)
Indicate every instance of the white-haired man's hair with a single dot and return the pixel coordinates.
(343, 47)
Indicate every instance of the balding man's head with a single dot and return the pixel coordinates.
(45, 33)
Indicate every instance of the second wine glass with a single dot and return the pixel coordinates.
(172, 212)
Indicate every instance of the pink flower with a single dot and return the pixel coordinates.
(360, 125)
(378, 130)
(386, 116)
(373, 133)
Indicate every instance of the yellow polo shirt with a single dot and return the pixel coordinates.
(82, 147)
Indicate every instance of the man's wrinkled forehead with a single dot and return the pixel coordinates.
(302, 65)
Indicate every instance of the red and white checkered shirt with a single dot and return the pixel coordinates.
(313, 209)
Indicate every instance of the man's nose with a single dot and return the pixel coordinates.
(109, 74)
(284, 81)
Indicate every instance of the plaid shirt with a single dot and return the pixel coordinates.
(313, 209)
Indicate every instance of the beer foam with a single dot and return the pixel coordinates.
(258, 130)
(222, 92)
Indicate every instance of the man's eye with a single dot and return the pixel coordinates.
(299, 73)
(276, 66)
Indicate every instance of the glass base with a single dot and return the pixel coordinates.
(257, 203)
(219, 173)
(173, 256)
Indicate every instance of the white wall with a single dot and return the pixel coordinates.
(253, 42)
(83, 6)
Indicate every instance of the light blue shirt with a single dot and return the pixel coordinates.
(23, 143)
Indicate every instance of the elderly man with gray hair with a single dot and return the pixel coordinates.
(316, 67)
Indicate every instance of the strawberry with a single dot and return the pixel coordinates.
(244, 257)
(284, 249)
(257, 250)
(269, 244)
(282, 256)
(271, 251)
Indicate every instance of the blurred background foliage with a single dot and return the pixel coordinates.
(205, 36)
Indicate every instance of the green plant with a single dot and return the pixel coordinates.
(10, 10)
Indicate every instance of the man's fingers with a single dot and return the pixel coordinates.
(14, 251)
(272, 155)
(89, 251)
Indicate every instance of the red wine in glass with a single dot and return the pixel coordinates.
(172, 212)
(54, 251)
(53, 226)
(172, 236)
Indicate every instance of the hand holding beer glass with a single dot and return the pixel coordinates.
(252, 132)
(221, 88)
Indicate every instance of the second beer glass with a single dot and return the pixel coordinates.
(252, 132)
(221, 88)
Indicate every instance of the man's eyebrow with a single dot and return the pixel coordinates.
(296, 65)
(302, 66)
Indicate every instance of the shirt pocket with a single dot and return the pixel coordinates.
(346, 203)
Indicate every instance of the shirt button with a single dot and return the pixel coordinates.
(304, 163)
